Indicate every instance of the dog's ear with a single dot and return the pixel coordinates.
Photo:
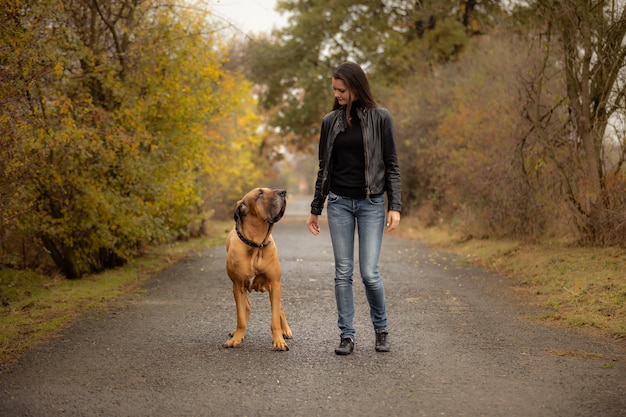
(241, 210)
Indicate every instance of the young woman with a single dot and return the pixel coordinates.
(358, 164)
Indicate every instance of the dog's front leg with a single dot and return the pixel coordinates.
(243, 314)
(278, 318)
(284, 325)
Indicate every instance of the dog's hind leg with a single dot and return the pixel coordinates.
(243, 314)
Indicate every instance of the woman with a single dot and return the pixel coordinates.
(357, 166)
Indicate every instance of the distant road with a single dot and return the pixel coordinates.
(298, 206)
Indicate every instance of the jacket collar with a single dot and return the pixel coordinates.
(342, 125)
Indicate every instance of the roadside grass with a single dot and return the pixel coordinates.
(34, 307)
(573, 286)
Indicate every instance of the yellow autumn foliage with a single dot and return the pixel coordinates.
(116, 133)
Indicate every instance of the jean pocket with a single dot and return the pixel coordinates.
(333, 198)
(378, 200)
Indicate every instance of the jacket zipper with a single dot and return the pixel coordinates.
(367, 164)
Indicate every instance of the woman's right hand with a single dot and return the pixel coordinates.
(312, 224)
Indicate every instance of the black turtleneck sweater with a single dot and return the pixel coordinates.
(348, 161)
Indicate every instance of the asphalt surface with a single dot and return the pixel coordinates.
(462, 345)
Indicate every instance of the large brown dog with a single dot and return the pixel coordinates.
(252, 261)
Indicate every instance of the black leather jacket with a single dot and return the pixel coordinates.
(382, 172)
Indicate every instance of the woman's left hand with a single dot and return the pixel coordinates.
(393, 220)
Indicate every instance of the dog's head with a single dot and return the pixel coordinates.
(262, 203)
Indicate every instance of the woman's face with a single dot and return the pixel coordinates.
(342, 94)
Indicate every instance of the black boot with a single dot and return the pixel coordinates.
(382, 341)
(345, 347)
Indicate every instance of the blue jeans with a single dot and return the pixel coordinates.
(344, 216)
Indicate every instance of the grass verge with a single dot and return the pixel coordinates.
(573, 286)
(35, 307)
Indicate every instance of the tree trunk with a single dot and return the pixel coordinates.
(593, 48)
(63, 258)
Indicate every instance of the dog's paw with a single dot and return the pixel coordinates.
(232, 343)
(280, 346)
(235, 340)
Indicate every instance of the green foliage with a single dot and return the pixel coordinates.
(445, 41)
(391, 41)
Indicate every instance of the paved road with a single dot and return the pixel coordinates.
(461, 346)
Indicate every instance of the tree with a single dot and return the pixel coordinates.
(584, 47)
(390, 39)
(457, 133)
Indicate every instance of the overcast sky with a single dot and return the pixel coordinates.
(248, 16)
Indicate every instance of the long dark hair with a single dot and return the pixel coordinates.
(356, 81)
